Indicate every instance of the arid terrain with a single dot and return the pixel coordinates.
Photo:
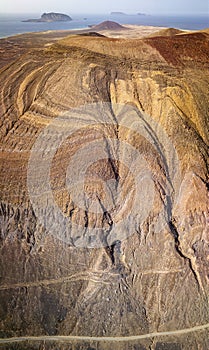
(104, 240)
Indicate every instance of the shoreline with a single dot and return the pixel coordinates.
(43, 32)
(10, 24)
(133, 27)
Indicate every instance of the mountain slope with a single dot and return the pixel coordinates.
(104, 192)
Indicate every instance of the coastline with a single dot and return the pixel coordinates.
(11, 25)
(136, 31)
(42, 32)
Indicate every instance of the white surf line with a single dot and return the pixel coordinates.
(70, 338)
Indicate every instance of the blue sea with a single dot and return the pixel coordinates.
(11, 24)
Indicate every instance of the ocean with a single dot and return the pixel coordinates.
(11, 24)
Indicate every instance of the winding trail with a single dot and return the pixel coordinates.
(85, 275)
(96, 277)
(69, 338)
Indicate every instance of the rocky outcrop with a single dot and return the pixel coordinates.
(51, 17)
(104, 195)
(95, 34)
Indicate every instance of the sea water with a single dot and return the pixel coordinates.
(12, 24)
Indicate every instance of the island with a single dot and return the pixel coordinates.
(118, 13)
(51, 17)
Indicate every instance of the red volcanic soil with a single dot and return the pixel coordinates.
(182, 48)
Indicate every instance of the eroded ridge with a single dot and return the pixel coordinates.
(155, 275)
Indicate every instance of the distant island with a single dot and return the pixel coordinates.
(118, 13)
(51, 17)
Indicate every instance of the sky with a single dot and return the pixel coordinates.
(106, 6)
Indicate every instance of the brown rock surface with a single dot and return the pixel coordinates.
(152, 96)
